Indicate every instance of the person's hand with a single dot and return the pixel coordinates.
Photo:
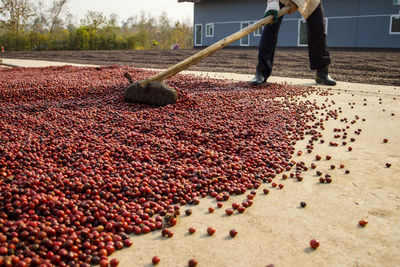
(272, 9)
(293, 7)
(272, 12)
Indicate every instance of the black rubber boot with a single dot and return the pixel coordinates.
(322, 77)
(258, 78)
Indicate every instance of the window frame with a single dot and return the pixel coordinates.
(255, 34)
(211, 25)
(298, 31)
(201, 35)
(248, 36)
(391, 23)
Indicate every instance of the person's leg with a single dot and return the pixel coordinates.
(317, 47)
(266, 51)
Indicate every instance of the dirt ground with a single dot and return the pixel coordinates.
(373, 66)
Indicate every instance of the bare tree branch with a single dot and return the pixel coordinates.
(55, 11)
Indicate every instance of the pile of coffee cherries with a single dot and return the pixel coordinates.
(81, 169)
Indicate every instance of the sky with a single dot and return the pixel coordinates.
(127, 8)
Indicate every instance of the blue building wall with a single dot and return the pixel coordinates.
(350, 23)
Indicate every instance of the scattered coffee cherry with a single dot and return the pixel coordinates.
(192, 263)
(241, 209)
(388, 165)
(314, 243)
(104, 263)
(210, 231)
(303, 204)
(318, 157)
(128, 243)
(313, 166)
(328, 180)
(274, 184)
(281, 186)
(299, 178)
(233, 233)
(385, 140)
(114, 262)
(220, 204)
(155, 260)
(170, 234)
(322, 180)
(164, 232)
(328, 157)
(172, 222)
(341, 166)
(347, 171)
(210, 209)
(235, 205)
(229, 212)
(319, 173)
(226, 197)
(363, 223)
(332, 167)
(192, 230)
(350, 148)
(188, 212)
(284, 177)
(266, 191)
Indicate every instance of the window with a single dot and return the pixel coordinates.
(394, 24)
(198, 40)
(245, 41)
(210, 30)
(258, 31)
(302, 35)
(396, 2)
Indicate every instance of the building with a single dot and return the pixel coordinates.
(349, 23)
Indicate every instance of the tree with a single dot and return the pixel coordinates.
(40, 21)
(27, 25)
(54, 13)
(93, 20)
(16, 13)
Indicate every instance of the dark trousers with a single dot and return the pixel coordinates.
(317, 48)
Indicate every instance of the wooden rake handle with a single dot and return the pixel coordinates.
(212, 49)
